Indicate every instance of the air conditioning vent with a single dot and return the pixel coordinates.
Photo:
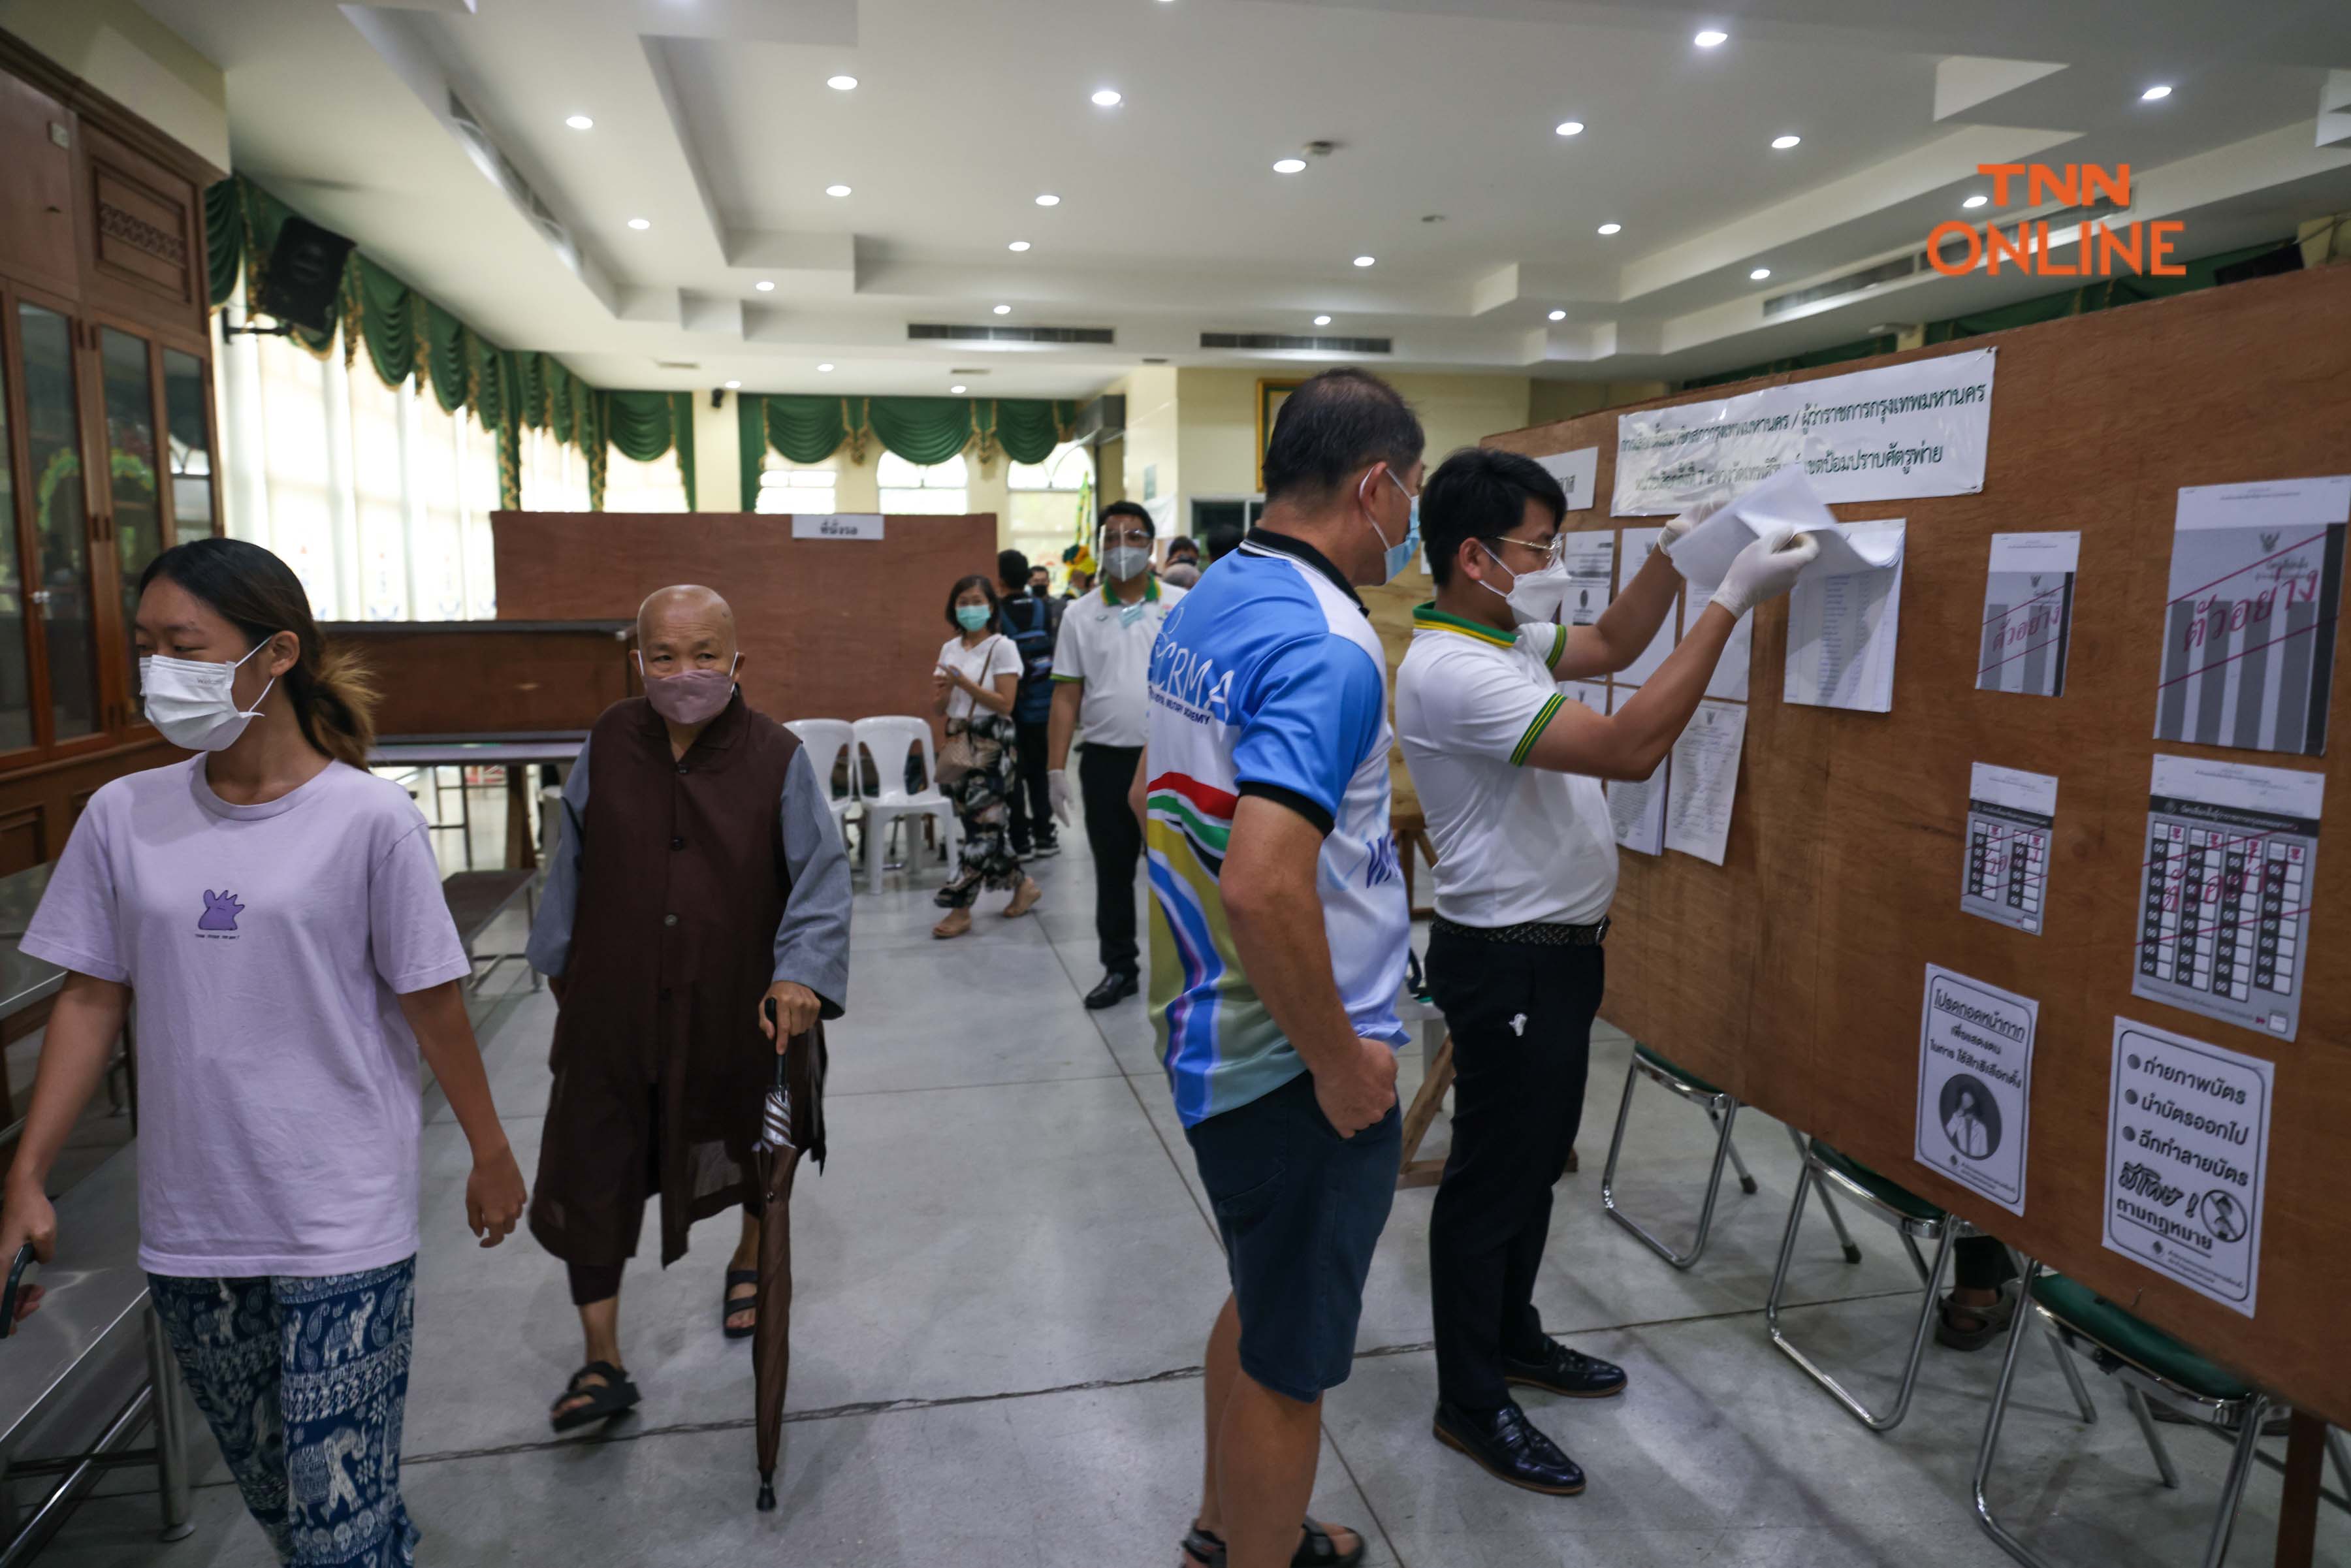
(1296, 340)
(677, 364)
(2064, 223)
(501, 172)
(1104, 418)
(922, 331)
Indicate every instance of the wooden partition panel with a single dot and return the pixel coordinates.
(491, 678)
(1793, 974)
(830, 628)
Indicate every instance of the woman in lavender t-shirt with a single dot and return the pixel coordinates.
(278, 911)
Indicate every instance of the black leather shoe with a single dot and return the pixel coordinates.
(1509, 1448)
(1565, 1370)
(1115, 988)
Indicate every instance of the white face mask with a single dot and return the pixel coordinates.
(1126, 562)
(1533, 595)
(191, 702)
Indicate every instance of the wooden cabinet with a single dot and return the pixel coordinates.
(106, 429)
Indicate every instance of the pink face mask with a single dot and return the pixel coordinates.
(690, 696)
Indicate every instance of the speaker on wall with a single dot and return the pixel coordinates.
(305, 270)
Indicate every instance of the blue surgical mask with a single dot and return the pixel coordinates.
(1399, 554)
(972, 617)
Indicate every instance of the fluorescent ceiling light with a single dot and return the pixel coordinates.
(1711, 39)
(1003, 311)
(1612, 229)
(1558, 315)
(836, 190)
(1781, 143)
(641, 223)
(1290, 166)
(1107, 97)
(2158, 90)
(1018, 245)
(1569, 127)
(1049, 200)
(766, 286)
(1364, 260)
(841, 83)
(1321, 320)
(1760, 274)
(580, 123)
(1973, 201)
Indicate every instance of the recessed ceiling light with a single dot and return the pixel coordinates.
(1321, 320)
(1760, 274)
(1290, 166)
(836, 190)
(1612, 229)
(1558, 315)
(1975, 201)
(1711, 39)
(1364, 260)
(1107, 97)
(1049, 200)
(1781, 143)
(826, 367)
(841, 83)
(732, 385)
(1569, 127)
(641, 223)
(766, 286)
(956, 388)
(1018, 245)
(1003, 311)
(580, 123)
(2158, 90)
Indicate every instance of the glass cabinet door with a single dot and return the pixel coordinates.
(191, 449)
(16, 656)
(130, 467)
(60, 574)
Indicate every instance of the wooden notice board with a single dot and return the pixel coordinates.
(1794, 973)
(831, 628)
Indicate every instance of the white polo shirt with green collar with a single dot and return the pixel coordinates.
(1515, 845)
(1107, 645)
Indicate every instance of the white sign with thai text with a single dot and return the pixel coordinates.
(1975, 1084)
(839, 526)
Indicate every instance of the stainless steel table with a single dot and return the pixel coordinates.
(518, 754)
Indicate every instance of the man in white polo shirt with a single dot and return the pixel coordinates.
(1102, 668)
(1507, 771)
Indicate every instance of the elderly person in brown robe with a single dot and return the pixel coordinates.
(700, 877)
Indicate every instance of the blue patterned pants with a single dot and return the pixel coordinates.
(304, 1381)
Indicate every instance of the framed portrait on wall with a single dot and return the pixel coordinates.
(1271, 396)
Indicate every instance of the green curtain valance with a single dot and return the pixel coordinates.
(642, 425)
(926, 430)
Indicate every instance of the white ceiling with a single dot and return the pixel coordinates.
(713, 121)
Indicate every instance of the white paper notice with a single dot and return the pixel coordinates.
(1593, 694)
(1637, 809)
(1728, 681)
(837, 526)
(1637, 545)
(2188, 1161)
(1704, 781)
(1783, 501)
(2028, 619)
(1841, 635)
(2011, 817)
(1575, 471)
(1591, 561)
(1975, 1084)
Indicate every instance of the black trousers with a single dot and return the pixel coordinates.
(1520, 1016)
(1032, 797)
(1104, 775)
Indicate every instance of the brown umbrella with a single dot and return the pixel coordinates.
(791, 1125)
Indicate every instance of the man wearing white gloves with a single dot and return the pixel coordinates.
(1102, 667)
(1508, 772)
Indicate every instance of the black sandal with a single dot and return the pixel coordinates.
(1315, 1549)
(729, 1303)
(616, 1396)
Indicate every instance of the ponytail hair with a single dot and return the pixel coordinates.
(333, 694)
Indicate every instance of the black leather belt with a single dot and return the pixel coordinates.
(1532, 935)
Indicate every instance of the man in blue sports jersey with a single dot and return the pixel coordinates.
(1278, 934)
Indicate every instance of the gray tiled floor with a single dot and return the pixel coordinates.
(1004, 1278)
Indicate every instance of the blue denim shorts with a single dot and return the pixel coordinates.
(1300, 1209)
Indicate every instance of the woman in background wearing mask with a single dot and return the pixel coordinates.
(978, 675)
(279, 912)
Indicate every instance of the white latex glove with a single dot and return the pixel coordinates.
(1765, 570)
(1698, 512)
(1057, 784)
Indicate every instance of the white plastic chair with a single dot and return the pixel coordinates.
(887, 739)
(824, 739)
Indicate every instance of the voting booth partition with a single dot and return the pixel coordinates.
(1794, 973)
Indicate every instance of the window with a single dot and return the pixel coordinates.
(655, 486)
(554, 474)
(1043, 503)
(807, 489)
(935, 491)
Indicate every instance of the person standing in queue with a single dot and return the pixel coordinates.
(278, 910)
(1279, 934)
(1032, 618)
(976, 685)
(1100, 679)
(1508, 770)
(699, 877)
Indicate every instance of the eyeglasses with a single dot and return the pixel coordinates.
(1554, 551)
(1132, 536)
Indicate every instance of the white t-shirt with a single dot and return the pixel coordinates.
(270, 946)
(1107, 645)
(996, 655)
(1515, 845)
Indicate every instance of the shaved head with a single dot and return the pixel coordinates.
(685, 627)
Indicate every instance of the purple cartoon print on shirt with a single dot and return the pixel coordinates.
(221, 910)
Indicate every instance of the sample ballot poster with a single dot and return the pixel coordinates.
(1638, 542)
(1704, 781)
(1842, 631)
(1637, 809)
(2187, 1159)
(2249, 633)
(2010, 814)
(1590, 576)
(1975, 1084)
(2224, 897)
(2027, 617)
